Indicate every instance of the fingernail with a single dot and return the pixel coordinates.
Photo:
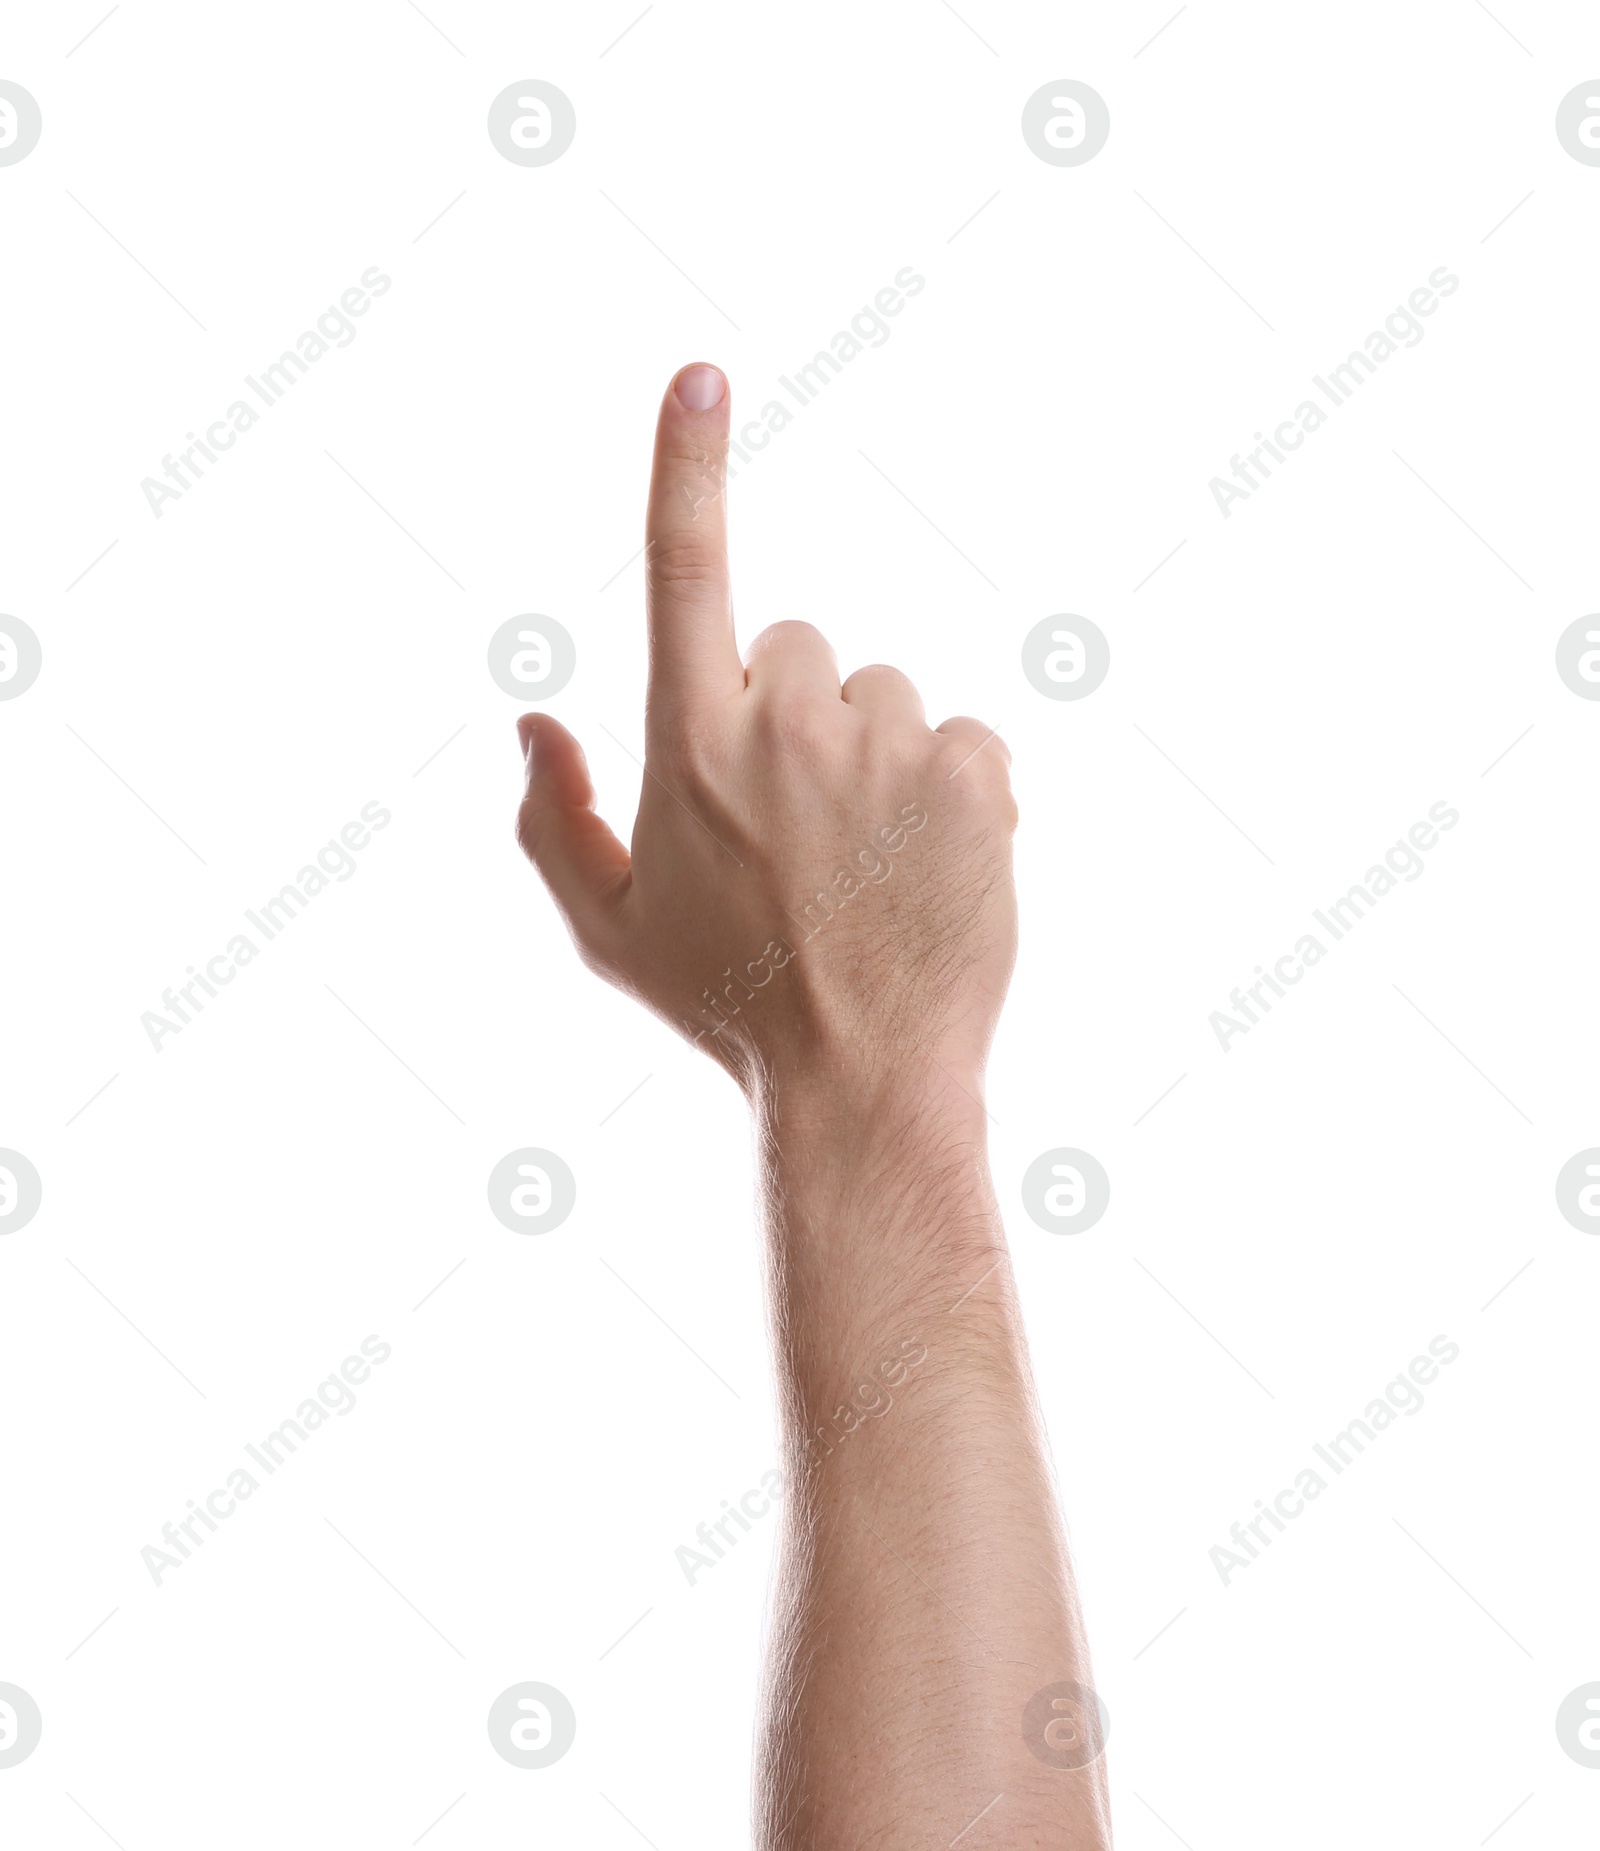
(700, 387)
(527, 731)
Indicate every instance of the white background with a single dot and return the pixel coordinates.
(307, 1160)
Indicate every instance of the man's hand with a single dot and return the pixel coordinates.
(819, 881)
(819, 894)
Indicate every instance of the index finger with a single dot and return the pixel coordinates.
(688, 601)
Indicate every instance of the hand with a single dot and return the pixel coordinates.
(820, 883)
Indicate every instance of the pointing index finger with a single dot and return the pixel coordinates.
(689, 604)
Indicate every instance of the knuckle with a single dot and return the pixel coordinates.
(790, 632)
(686, 557)
(977, 739)
(682, 456)
(975, 770)
(884, 676)
(1000, 750)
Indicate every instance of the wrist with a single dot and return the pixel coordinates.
(884, 1181)
(880, 1213)
(854, 1105)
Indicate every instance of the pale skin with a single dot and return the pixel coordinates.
(785, 908)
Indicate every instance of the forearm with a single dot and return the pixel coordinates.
(925, 1593)
(928, 1680)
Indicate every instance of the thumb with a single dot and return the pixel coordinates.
(582, 863)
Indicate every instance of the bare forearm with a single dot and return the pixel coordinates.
(925, 1594)
(847, 869)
